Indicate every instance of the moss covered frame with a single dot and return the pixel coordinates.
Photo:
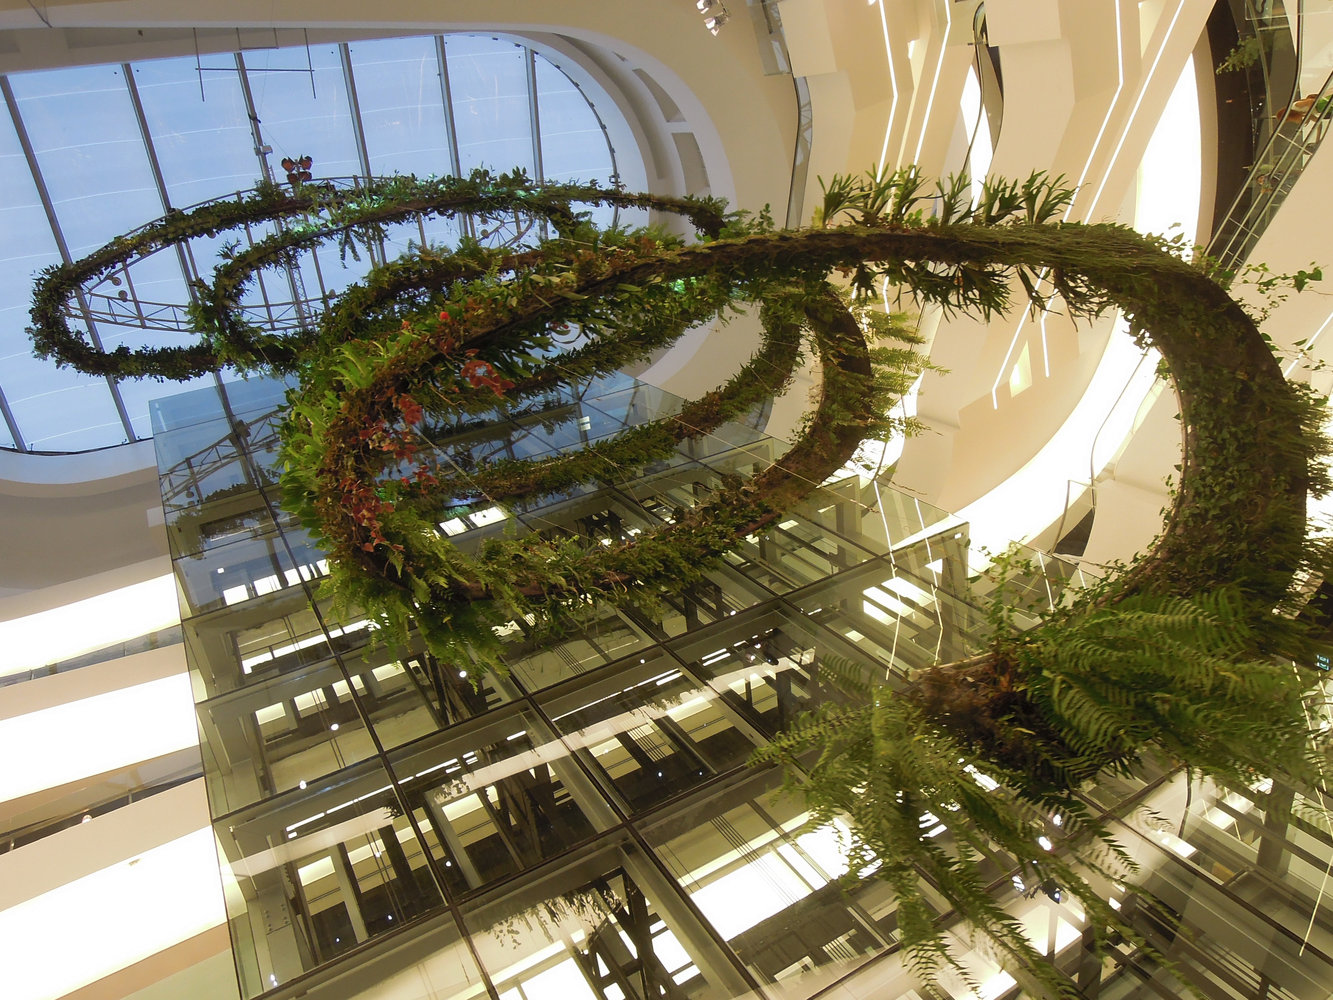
(480, 328)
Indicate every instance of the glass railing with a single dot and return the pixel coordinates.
(1290, 75)
(1299, 129)
(169, 636)
(12, 840)
(1287, 130)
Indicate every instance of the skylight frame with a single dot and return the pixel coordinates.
(130, 425)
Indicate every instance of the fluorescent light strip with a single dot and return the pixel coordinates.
(1143, 91)
(1045, 353)
(1087, 166)
(1305, 351)
(934, 85)
(108, 731)
(82, 626)
(1106, 120)
(118, 916)
(893, 85)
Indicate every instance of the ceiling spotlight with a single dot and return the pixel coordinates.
(704, 7)
(714, 24)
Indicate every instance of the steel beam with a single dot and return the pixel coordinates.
(49, 207)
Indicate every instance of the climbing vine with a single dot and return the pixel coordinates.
(305, 215)
(1172, 656)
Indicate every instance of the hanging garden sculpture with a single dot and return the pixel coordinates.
(1179, 656)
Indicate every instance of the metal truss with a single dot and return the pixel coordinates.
(287, 299)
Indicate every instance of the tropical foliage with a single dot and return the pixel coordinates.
(1174, 656)
(306, 215)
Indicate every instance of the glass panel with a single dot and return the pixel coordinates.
(290, 729)
(604, 925)
(304, 113)
(539, 661)
(98, 173)
(574, 145)
(26, 245)
(651, 730)
(1237, 928)
(230, 514)
(312, 874)
(769, 885)
(88, 145)
(247, 569)
(402, 110)
(441, 232)
(721, 594)
(500, 795)
(203, 142)
(197, 419)
(636, 404)
(86, 138)
(149, 293)
(55, 408)
(765, 665)
(902, 617)
(489, 85)
(431, 960)
(798, 551)
(277, 634)
(400, 238)
(139, 394)
(325, 270)
(894, 518)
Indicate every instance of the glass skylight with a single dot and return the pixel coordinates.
(89, 152)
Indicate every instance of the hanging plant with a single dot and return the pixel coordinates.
(321, 210)
(351, 424)
(1170, 656)
(1042, 712)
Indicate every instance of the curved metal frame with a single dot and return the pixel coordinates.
(121, 305)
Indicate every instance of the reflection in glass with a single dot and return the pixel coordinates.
(280, 733)
(651, 730)
(312, 874)
(498, 797)
(604, 926)
(764, 665)
(769, 885)
(908, 617)
(537, 661)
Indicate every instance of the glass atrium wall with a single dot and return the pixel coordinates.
(587, 826)
(90, 152)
